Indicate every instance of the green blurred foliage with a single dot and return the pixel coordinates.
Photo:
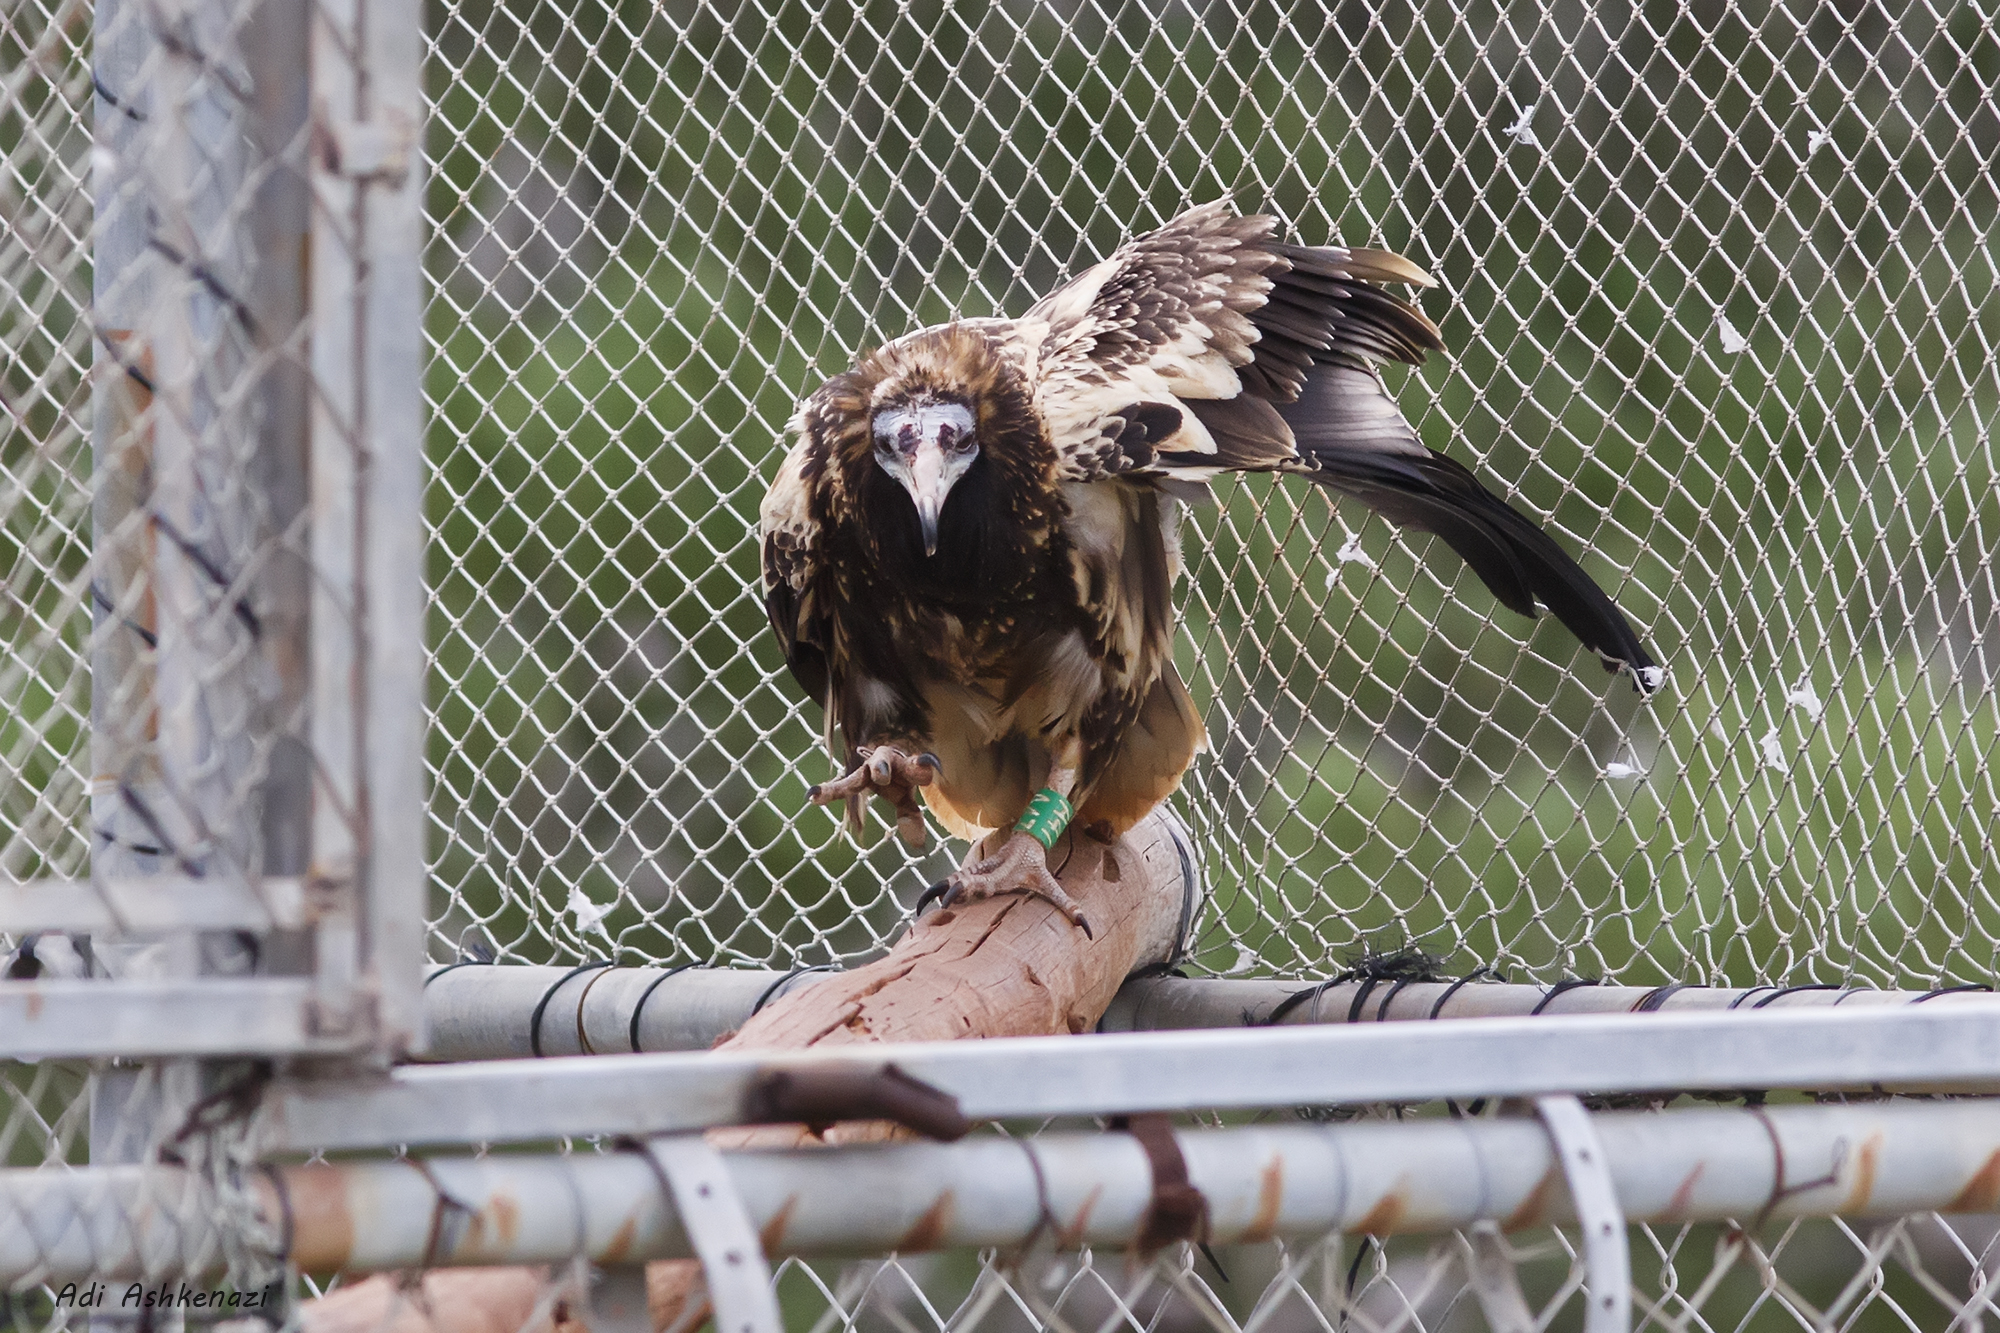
(656, 226)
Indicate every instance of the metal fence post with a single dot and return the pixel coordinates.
(367, 492)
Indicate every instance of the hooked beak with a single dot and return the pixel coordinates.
(928, 487)
(926, 448)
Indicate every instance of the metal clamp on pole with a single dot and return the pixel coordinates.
(719, 1229)
(1607, 1259)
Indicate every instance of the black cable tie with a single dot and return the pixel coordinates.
(647, 994)
(1453, 988)
(1952, 990)
(448, 967)
(1299, 997)
(1782, 991)
(781, 982)
(583, 1037)
(112, 99)
(1368, 984)
(535, 1023)
(1382, 1009)
(1569, 984)
(1738, 1001)
(1651, 1001)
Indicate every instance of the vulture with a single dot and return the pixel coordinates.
(970, 548)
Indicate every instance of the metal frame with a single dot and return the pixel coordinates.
(719, 1231)
(1276, 1180)
(477, 1012)
(1922, 1047)
(338, 456)
(1593, 1193)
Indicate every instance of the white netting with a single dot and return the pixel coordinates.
(1720, 286)
(1915, 1273)
(1722, 302)
(45, 356)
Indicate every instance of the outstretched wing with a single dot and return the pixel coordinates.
(1173, 355)
(1208, 347)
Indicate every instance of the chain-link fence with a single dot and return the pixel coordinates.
(1720, 288)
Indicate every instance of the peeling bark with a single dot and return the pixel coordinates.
(1006, 967)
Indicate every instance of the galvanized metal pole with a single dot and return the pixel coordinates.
(506, 1012)
(367, 877)
(183, 534)
(1295, 1181)
(1929, 1047)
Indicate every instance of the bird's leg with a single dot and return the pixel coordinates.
(1022, 863)
(890, 773)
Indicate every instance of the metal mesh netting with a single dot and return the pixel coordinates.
(1912, 1273)
(1720, 290)
(1720, 286)
(45, 354)
(185, 757)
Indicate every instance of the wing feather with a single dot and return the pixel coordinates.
(791, 561)
(1273, 352)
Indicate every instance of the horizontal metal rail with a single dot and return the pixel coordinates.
(479, 1012)
(212, 1016)
(150, 906)
(1931, 1047)
(1065, 1189)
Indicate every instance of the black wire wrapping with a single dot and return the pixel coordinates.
(1570, 984)
(1952, 990)
(541, 1005)
(1650, 1002)
(1778, 993)
(778, 985)
(453, 967)
(1481, 971)
(632, 1032)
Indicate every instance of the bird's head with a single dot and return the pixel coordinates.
(926, 442)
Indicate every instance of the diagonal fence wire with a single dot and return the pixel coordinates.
(1720, 285)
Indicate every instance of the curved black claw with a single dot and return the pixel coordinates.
(941, 893)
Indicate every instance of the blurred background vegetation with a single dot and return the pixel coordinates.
(1720, 288)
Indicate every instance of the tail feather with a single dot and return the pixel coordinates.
(1519, 562)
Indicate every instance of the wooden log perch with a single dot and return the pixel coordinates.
(1006, 967)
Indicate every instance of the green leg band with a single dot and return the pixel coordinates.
(1046, 817)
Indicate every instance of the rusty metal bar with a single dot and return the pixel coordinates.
(201, 1016)
(1295, 1180)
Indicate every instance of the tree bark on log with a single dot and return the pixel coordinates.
(1005, 967)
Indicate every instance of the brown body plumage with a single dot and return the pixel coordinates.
(970, 549)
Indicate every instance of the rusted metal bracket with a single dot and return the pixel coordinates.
(1177, 1211)
(1606, 1255)
(825, 1095)
(718, 1228)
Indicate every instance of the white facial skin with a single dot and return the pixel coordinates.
(927, 447)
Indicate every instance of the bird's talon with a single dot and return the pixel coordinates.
(939, 893)
(1020, 867)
